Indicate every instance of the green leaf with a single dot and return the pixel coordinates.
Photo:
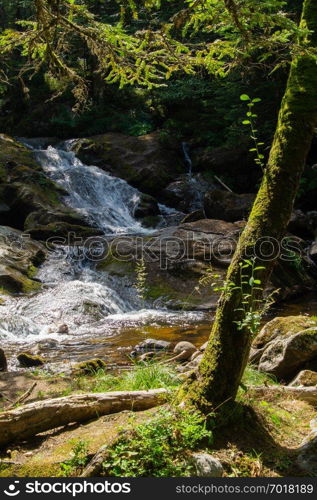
(256, 99)
(244, 97)
(246, 122)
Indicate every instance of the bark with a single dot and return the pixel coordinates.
(219, 374)
(41, 416)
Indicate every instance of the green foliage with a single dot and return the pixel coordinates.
(141, 277)
(253, 377)
(253, 305)
(160, 446)
(78, 460)
(142, 376)
(251, 117)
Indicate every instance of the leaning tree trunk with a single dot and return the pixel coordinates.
(225, 358)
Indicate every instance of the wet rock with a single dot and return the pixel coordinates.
(3, 361)
(285, 356)
(20, 179)
(69, 232)
(30, 200)
(146, 206)
(206, 465)
(305, 378)
(28, 360)
(227, 206)
(144, 162)
(62, 328)
(187, 193)
(150, 345)
(90, 366)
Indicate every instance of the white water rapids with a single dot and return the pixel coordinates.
(91, 303)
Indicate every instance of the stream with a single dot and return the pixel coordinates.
(103, 313)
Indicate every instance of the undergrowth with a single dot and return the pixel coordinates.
(143, 376)
(159, 447)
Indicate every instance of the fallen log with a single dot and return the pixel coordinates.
(33, 418)
(308, 394)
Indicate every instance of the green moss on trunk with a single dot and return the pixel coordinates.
(225, 358)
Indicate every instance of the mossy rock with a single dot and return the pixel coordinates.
(28, 360)
(142, 161)
(64, 230)
(282, 327)
(90, 366)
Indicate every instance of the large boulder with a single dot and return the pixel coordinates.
(282, 327)
(285, 346)
(146, 206)
(19, 259)
(227, 206)
(144, 162)
(187, 193)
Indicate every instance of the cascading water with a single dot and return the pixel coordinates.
(106, 201)
(90, 302)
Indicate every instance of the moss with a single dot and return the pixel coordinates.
(90, 366)
(63, 229)
(28, 360)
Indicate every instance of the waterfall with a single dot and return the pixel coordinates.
(188, 160)
(74, 292)
(105, 201)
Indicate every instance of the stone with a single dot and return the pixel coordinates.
(185, 347)
(3, 361)
(307, 457)
(150, 345)
(285, 356)
(28, 360)
(62, 328)
(282, 327)
(305, 378)
(19, 260)
(206, 465)
(230, 207)
(146, 206)
(90, 366)
(313, 251)
(194, 216)
(302, 225)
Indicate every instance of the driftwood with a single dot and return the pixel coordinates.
(308, 394)
(33, 418)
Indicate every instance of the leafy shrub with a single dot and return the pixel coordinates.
(159, 447)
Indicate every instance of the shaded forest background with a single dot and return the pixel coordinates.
(202, 110)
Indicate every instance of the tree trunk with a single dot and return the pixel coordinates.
(225, 358)
(41, 416)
